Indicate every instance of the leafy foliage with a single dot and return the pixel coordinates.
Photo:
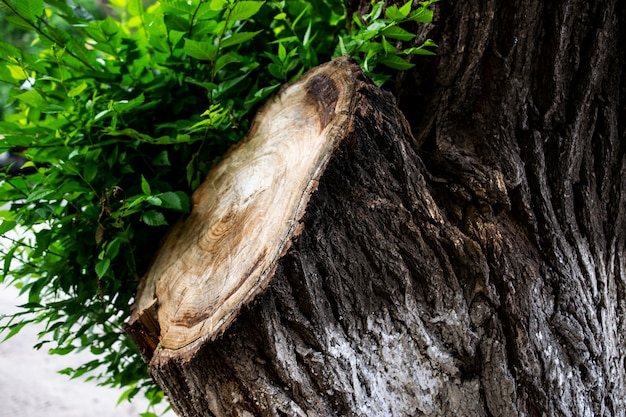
(374, 40)
(120, 117)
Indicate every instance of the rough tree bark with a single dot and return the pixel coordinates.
(534, 92)
(474, 267)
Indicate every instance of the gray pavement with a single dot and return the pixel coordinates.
(30, 385)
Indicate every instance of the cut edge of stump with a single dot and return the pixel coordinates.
(159, 322)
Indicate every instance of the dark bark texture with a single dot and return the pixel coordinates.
(473, 267)
(533, 93)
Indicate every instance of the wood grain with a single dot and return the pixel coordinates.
(243, 216)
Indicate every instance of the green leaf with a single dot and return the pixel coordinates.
(90, 171)
(406, 8)
(102, 267)
(154, 218)
(161, 160)
(125, 106)
(203, 29)
(277, 71)
(395, 14)
(224, 60)
(177, 7)
(32, 98)
(343, 50)
(218, 4)
(8, 258)
(373, 29)
(207, 86)
(376, 11)
(387, 47)
(113, 248)
(282, 52)
(133, 201)
(30, 9)
(6, 226)
(135, 7)
(177, 23)
(132, 133)
(39, 194)
(77, 90)
(128, 394)
(145, 187)
(262, 93)
(396, 32)
(421, 50)
(397, 63)
(178, 201)
(109, 27)
(15, 329)
(205, 12)
(306, 40)
(83, 369)
(175, 37)
(372, 48)
(154, 200)
(245, 10)
(8, 50)
(18, 22)
(422, 15)
(238, 38)
(17, 72)
(301, 15)
(61, 350)
(200, 50)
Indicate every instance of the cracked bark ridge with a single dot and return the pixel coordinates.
(524, 130)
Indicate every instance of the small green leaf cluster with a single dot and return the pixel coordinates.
(374, 39)
(120, 115)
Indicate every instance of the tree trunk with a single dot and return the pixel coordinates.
(475, 268)
(534, 93)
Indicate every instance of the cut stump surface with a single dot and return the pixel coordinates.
(244, 215)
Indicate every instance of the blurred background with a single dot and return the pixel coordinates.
(30, 385)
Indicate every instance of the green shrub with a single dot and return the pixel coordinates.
(120, 116)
